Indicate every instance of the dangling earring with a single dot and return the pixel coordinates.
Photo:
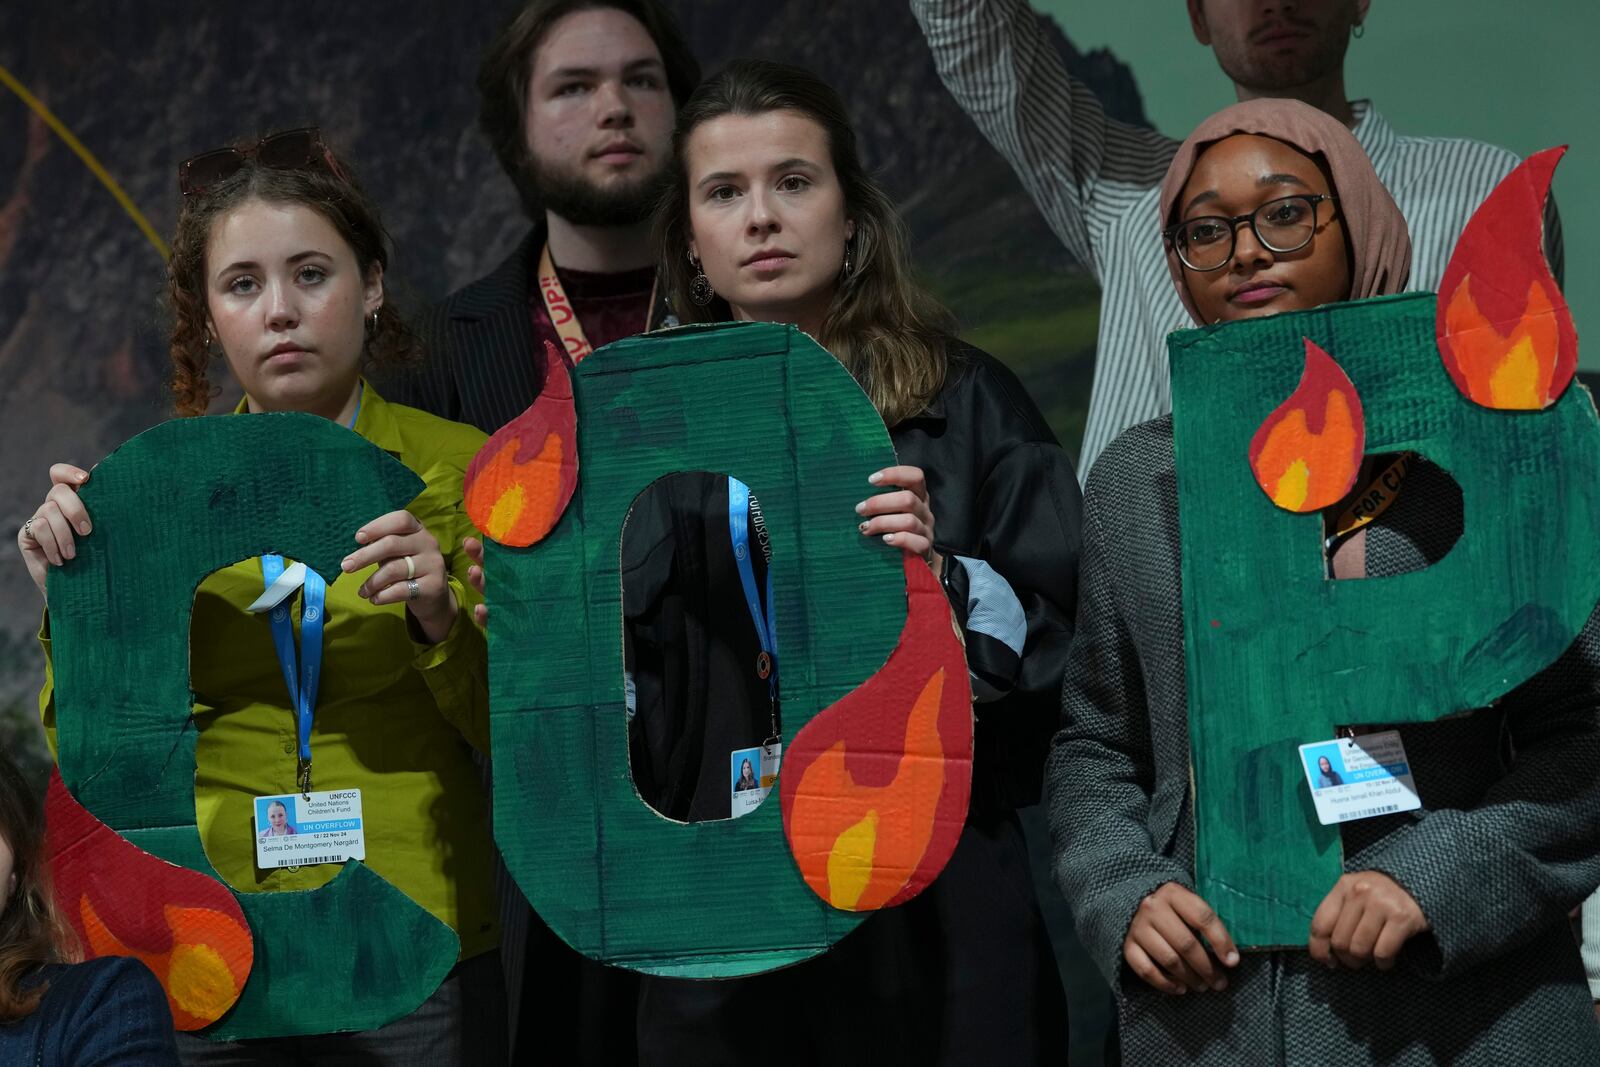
(849, 257)
(211, 351)
(1357, 30)
(700, 290)
(372, 323)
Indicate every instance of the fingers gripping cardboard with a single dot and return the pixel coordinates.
(170, 506)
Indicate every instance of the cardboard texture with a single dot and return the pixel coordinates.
(522, 480)
(617, 881)
(1501, 314)
(1277, 655)
(171, 506)
(874, 799)
(185, 927)
(1307, 453)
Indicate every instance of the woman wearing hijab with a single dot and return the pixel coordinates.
(1271, 206)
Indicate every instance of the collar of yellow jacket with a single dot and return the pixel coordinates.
(375, 420)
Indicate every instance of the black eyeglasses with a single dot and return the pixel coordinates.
(1282, 225)
(302, 149)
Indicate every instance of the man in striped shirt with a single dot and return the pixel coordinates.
(1096, 180)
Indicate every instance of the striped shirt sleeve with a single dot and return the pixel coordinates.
(1081, 168)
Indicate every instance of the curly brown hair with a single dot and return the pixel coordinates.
(887, 330)
(333, 192)
(32, 931)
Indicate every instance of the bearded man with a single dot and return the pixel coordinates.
(578, 99)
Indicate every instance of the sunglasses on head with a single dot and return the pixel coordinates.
(302, 149)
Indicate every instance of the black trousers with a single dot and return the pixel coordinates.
(961, 974)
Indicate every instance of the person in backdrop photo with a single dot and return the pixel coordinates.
(1096, 180)
(54, 1012)
(770, 216)
(577, 99)
(277, 269)
(1446, 939)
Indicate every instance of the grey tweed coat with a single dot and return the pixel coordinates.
(1508, 840)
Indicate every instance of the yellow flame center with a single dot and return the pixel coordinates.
(506, 511)
(850, 862)
(1515, 382)
(1293, 486)
(200, 982)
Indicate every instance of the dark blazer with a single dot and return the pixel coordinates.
(1507, 843)
(479, 364)
(107, 1012)
(1003, 491)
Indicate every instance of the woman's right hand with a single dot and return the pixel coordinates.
(48, 538)
(1163, 945)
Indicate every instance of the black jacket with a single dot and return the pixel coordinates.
(479, 365)
(1003, 491)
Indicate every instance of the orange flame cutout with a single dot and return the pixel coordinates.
(1504, 331)
(202, 973)
(1307, 453)
(520, 482)
(874, 795)
(123, 901)
(515, 503)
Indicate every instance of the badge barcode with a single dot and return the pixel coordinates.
(1367, 813)
(311, 862)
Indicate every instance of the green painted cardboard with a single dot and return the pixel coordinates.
(170, 506)
(616, 880)
(1278, 656)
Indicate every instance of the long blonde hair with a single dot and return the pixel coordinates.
(882, 325)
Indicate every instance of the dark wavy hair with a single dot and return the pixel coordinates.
(337, 197)
(32, 932)
(508, 65)
(882, 324)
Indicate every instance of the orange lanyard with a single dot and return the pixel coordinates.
(1375, 499)
(562, 315)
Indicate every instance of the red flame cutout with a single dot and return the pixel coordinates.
(522, 479)
(122, 901)
(1307, 453)
(1505, 334)
(874, 789)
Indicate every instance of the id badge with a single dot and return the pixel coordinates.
(1359, 777)
(302, 830)
(745, 774)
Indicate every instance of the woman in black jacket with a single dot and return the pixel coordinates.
(771, 217)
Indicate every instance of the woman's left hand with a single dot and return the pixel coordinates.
(903, 519)
(411, 570)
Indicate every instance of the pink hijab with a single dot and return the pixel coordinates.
(1378, 233)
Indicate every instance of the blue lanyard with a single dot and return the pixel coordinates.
(760, 608)
(302, 679)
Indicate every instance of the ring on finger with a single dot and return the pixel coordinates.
(411, 568)
(413, 590)
(27, 529)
